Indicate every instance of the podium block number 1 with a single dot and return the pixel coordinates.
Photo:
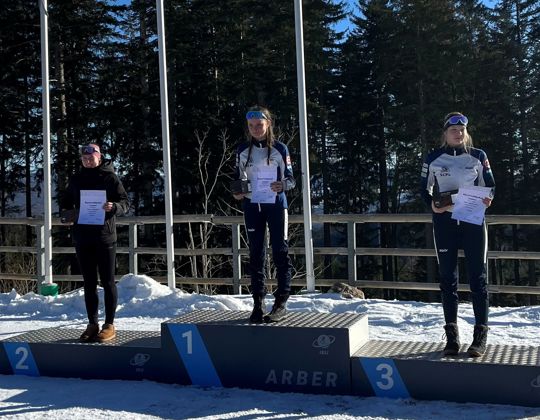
(188, 335)
(194, 354)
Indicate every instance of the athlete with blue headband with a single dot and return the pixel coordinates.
(454, 165)
(260, 157)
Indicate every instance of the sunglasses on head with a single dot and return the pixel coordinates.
(456, 120)
(88, 150)
(256, 115)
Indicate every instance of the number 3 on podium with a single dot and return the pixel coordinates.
(384, 378)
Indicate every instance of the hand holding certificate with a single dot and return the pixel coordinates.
(469, 204)
(91, 210)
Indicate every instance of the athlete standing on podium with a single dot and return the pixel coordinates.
(458, 164)
(266, 164)
(95, 244)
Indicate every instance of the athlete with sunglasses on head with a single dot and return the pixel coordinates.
(262, 158)
(95, 245)
(458, 164)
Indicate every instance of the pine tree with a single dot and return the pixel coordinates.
(20, 125)
(78, 34)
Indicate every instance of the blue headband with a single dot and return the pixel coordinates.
(256, 115)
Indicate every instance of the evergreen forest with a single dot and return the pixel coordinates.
(377, 94)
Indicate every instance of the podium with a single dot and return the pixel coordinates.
(56, 352)
(505, 374)
(306, 352)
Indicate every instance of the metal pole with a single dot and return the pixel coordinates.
(300, 74)
(236, 259)
(166, 144)
(133, 255)
(351, 251)
(46, 141)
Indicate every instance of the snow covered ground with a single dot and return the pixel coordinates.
(144, 304)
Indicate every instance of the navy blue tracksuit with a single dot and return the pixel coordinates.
(250, 156)
(452, 168)
(256, 217)
(451, 235)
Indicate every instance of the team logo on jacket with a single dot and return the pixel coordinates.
(486, 164)
(444, 171)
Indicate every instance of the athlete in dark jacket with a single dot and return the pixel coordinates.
(457, 164)
(264, 157)
(95, 245)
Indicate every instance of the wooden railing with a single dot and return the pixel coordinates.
(235, 251)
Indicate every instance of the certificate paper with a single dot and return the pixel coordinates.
(262, 193)
(91, 209)
(469, 206)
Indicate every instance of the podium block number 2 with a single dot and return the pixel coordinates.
(21, 359)
(384, 378)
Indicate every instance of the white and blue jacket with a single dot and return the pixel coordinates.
(452, 168)
(256, 153)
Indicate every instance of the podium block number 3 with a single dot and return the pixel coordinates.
(384, 378)
(386, 372)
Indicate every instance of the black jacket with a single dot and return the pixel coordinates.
(100, 178)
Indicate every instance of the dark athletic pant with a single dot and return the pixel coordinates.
(451, 235)
(256, 217)
(94, 258)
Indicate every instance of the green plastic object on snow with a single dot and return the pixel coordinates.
(48, 289)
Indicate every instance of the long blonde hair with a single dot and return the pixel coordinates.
(467, 139)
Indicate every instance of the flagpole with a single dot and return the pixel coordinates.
(171, 280)
(300, 74)
(47, 285)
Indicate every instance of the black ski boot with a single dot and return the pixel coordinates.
(452, 339)
(259, 307)
(279, 310)
(479, 344)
